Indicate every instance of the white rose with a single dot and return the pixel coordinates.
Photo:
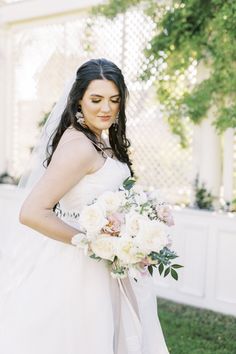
(92, 218)
(111, 200)
(132, 223)
(104, 247)
(128, 251)
(152, 236)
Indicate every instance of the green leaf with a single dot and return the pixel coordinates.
(174, 274)
(173, 256)
(93, 256)
(167, 271)
(176, 266)
(129, 183)
(161, 268)
(150, 269)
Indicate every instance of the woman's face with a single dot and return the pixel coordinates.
(100, 105)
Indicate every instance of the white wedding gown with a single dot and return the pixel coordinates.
(59, 301)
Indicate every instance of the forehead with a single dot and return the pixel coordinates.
(102, 87)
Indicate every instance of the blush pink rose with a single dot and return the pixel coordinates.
(114, 224)
(164, 213)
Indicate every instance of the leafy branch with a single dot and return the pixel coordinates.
(189, 33)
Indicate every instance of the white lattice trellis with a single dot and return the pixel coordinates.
(46, 53)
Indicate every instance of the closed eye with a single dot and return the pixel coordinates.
(113, 101)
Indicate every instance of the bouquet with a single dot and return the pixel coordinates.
(129, 229)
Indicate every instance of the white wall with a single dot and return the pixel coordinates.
(206, 244)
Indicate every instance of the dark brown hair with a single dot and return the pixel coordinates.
(95, 69)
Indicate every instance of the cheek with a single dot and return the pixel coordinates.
(91, 108)
(115, 108)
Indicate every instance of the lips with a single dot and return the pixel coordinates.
(105, 118)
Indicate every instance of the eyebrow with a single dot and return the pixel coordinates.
(93, 94)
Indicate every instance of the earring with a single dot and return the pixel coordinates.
(115, 124)
(80, 117)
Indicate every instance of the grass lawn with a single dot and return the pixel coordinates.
(190, 330)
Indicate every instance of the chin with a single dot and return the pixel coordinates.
(105, 125)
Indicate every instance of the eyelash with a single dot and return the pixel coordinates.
(100, 101)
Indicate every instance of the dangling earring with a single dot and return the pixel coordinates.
(80, 117)
(115, 124)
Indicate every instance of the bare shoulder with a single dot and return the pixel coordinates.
(76, 149)
(71, 134)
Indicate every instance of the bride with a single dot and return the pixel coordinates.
(53, 298)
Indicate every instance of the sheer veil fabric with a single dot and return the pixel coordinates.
(56, 300)
(19, 251)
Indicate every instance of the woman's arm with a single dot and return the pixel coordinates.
(71, 161)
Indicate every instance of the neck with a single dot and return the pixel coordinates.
(97, 132)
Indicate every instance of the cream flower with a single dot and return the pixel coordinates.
(128, 251)
(92, 219)
(104, 247)
(152, 236)
(111, 200)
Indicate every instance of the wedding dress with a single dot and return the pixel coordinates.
(68, 303)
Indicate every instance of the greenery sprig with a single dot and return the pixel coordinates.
(164, 258)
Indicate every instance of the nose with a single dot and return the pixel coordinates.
(105, 107)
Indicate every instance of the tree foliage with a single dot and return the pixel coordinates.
(189, 33)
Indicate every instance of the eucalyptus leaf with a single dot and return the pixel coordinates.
(176, 266)
(128, 183)
(167, 271)
(174, 274)
(161, 268)
(150, 269)
(93, 256)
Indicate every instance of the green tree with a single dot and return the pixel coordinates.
(189, 33)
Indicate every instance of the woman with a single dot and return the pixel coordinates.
(68, 303)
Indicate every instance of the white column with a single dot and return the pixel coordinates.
(3, 81)
(7, 110)
(207, 147)
(228, 162)
(207, 155)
